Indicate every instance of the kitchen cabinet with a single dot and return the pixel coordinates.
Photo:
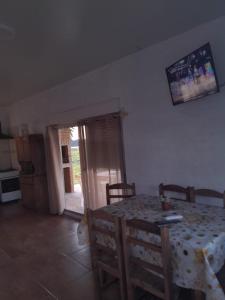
(33, 179)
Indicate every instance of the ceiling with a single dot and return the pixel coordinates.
(57, 40)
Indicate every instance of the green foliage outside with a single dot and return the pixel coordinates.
(76, 165)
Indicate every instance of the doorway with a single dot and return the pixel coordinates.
(69, 142)
(90, 155)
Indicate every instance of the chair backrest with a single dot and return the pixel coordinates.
(119, 191)
(209, 194)
(162, 248)
(177, 189)
(104, 225)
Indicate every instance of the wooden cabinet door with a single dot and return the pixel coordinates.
(41, 194)
(26, 149)
(19, 148)
(27, 191)
(37, 151)
(23, 149)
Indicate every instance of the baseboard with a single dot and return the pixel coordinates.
(73, 214)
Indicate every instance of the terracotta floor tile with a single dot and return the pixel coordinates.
(5, 259)
(41, 259)
(83, 288)
(83, 257)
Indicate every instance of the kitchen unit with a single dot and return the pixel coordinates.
(9, 186)
(9, 174)
(33, 179)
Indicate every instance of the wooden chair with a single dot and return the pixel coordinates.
(208, 193)
(176, 189)
(152, 278)
(106, 259)
(121, 191)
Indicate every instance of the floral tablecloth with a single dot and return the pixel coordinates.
(198, 242)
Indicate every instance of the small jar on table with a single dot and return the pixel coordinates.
(165, 203)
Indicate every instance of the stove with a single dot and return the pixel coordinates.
(8, 173)
(9, 185)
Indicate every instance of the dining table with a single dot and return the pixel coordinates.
(197, 241)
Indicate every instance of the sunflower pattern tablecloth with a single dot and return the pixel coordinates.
(198, 242)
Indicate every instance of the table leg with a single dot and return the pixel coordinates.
(197, 295)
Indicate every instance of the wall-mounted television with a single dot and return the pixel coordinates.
(193, 77)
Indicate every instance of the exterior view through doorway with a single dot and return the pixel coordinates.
(69, 141)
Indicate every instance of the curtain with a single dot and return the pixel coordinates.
(101, 155)
(55, 173)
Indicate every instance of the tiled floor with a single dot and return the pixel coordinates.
(75, 201)
(40, 258)
(72, 203)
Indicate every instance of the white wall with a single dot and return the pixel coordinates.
(183, 144)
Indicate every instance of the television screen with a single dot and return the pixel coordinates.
(193, 77)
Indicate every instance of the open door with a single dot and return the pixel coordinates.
(101, 157)
(69, 141)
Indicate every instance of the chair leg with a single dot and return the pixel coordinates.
(197, 295)
(130, 292)
(98, 290)
(123, 292)
(101, 277)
